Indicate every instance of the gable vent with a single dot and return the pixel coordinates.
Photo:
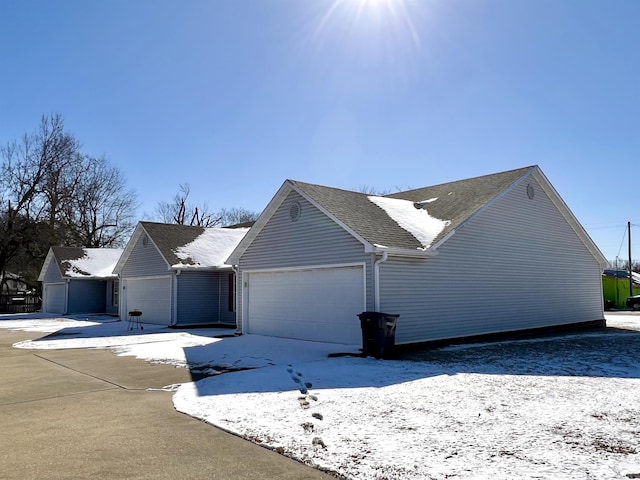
(295, 211)
(530, 192)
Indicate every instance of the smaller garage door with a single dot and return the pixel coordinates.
(320, 304)
(152, 296)
(54, 297)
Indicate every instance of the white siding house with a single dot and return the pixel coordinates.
(79, 280)
(493, 254)
(175, 274)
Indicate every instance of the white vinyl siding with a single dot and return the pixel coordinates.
(310, 304)
(152, 296)
(145, 260)
(517, 265)
(312, 240)
(52, 274)
(55, 297)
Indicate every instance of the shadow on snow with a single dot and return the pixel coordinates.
(608, 352)
(286, 364)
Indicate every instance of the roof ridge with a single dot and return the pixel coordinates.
(505, 172)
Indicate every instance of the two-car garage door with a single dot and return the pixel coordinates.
(318, 304)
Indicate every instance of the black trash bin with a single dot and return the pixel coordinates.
(378, 333)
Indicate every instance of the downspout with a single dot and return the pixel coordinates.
(174, 294)
(376, 280)
(66, 296)
(235, 300)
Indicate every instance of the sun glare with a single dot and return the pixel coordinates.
(372, 17)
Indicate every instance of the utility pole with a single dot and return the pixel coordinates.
(630, 270)
(617, 275)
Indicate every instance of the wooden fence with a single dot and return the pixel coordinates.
(19, 303)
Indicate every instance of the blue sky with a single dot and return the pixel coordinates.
(235, 96)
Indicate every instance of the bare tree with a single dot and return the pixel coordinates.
(52, 194)
(181, 212)
(101, 213)
(369, 190)
(235, 216)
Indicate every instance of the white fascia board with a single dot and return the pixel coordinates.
(271, 208)
(368, 247)
(571, 219)
(404, 252)
(158, 250)
(442, 240)
(93, 277)
(259, 224)
(126, 253)
(195, 268)
(45, 265)
(128, 250)
(484, 207)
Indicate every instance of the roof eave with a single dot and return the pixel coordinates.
(287, 187)
(92, 277)
(199, 268)
(406, 252)
(128, 250)
(570, 218)
(45, 265)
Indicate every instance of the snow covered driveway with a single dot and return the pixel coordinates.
(562, 407)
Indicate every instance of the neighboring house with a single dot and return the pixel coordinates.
(16, 296)
(80, 280)
(615, 286)
(175, 274)
(11, 283)
(492, 254)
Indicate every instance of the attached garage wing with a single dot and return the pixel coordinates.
(54, 298)
(152, 296)
(319, 304)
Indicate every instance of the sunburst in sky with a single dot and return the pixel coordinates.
(372, 17)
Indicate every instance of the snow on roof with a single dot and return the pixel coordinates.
(416, 221)
(96, 262)
(211, 248)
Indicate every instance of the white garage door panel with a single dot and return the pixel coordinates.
(54, 298)
(320, 305)
(152, 296)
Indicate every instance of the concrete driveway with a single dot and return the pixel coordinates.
(78, 414)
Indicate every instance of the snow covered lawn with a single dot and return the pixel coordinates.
(563, 407)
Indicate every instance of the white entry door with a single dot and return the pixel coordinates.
(152, 296)
(319, 304)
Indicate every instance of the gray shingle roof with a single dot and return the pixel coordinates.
(63, 255)
(455, 202)
(168, 237)
(357, 212)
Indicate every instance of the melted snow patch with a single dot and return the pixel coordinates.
(97, 262)
(417, 222)
(211, 248)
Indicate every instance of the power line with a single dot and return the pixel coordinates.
(624, 235)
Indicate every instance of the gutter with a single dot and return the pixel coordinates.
(403, 252)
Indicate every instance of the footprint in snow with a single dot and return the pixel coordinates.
(297, 378)
(317, 441)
